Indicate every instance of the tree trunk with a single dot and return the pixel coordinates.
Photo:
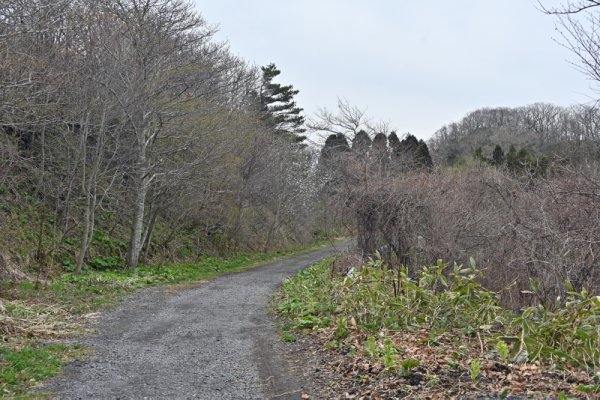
(88, 229)
(272, 229)
(84, 238)
(148, 234)
(137, 225)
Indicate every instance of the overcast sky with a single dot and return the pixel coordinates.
(417, 64)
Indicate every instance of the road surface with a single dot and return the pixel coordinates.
(212, 341)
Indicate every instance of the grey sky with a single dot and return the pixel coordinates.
(417, 64)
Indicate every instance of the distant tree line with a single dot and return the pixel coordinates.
(540, 129)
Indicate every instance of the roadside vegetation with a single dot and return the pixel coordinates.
(438, 333)
(35, 317)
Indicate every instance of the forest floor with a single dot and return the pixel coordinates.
(330, 374)
(210, 340)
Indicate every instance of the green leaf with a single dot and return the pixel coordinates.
(371, 346)
(474, 370)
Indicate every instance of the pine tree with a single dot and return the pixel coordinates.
(361, 142)
(396, 158)
(423, 155)
(278, 108)
(409, 144)
(394, 143)
(379, 153)
(498, 156)
(478, 155)
(380, 142)
(518, 162)
(334, 144)
(511, 158)
(411, 153)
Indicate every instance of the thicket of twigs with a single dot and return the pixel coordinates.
(533, 235)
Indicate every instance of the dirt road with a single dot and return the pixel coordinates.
(213, 341)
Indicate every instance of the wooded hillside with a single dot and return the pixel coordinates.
(569, 133)
(128, 133)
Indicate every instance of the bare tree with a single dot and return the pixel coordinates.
(161, 47)
(347, 120)
(569, 7)
(579, 24)
(128, 110)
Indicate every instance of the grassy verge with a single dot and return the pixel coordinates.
(441, 334)
(34, 317)
(30, 364)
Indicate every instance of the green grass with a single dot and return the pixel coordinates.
(92, 290)
(27, 366)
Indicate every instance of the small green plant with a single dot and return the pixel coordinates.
(591, 388)
(563, 396)
(69, 265)
(502, 350)
(568, 334)
(474, 370)
(370, 347)
(341, 328)
(389, 354)
(308, 322)
(407, 366)
(288, 337)
(105, 263)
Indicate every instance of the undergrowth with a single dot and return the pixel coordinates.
(92, 289)
(364, 312)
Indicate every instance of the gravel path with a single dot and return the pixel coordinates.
(213, 341)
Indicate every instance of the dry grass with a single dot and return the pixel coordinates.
(20, 322)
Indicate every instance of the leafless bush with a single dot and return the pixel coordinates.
(390, 217)
(530, 236)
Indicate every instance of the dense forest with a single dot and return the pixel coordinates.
(129, 133)
(541, 129)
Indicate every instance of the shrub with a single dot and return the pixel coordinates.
(527, 231)
(442, 298)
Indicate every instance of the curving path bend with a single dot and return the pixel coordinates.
(213, 341)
